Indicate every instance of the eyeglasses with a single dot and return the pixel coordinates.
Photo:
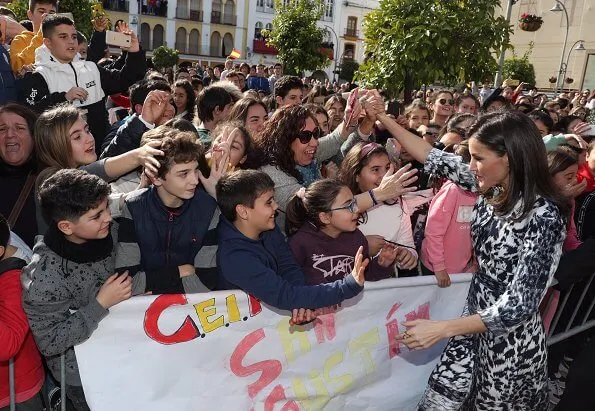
(306, 135)
(444, 101)
(351, 206)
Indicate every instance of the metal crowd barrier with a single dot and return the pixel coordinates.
(557, 334)
(12, 390)
(11, 385)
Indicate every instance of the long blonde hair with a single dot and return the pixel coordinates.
(52, 137)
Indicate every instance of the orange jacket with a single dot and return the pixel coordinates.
(22, 49)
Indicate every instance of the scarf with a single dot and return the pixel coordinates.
(309, 173)
(88, 252)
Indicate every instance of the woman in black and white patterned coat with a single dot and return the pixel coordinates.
(496, 356)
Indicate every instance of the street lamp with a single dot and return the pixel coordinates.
(498, 79)
(580, 46)
(559, 6)
(336, 50)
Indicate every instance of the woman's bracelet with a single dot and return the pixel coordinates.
(373, 197)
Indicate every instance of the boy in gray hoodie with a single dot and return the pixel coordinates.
(70, 283)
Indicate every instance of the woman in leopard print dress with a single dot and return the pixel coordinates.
(496, 356)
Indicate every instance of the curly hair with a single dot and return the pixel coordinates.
(274, 141)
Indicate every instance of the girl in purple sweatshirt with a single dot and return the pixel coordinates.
(446, 248)
(322, 228)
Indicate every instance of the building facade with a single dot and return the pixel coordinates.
(201, 30)
(341, 19)
(549, 40)
(208, 30)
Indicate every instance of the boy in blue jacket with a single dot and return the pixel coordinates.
(254, 256)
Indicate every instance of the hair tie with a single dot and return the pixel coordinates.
(301, 193)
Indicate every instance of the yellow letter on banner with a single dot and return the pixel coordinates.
(289, 339)
(362, 344)
(343, 382)
(206, 309)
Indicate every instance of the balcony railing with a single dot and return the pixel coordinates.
(160, 11)
(260, 46)
(351, 33)
(116, 5)
(230, 20)
(196, 15)
(185, 14)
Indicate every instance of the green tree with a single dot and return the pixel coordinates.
(296, 36)
(414, 42)
(164, 57)
(347, 69)
(520, 68)
(80, 9)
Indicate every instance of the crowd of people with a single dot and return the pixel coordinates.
(119, 180)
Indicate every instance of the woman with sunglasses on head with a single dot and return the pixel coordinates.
(496, 356)
(321, 223)
(385, 224)
(289, 149)
(443, 103)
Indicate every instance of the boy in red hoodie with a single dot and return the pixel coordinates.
(16, 340)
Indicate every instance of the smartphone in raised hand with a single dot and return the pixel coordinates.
(113, 38)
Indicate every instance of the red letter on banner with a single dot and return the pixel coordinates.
(188, 331)
(269, 369)
(278, 394)
(392, 330)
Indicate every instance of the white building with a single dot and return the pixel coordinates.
(342, 19)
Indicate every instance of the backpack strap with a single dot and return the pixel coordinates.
(18, 206)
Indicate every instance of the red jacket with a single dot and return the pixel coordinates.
(16, 340)
(584, 173)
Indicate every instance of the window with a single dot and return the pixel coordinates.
(269, 26)
(258, 31)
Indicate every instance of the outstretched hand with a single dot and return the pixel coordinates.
(359, 266)
(422, 334)
(219, 164)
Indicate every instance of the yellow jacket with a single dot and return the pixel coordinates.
(22, 49)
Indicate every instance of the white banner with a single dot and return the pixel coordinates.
(226, 351)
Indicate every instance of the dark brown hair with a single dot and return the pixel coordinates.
(274, 141)
(515, 135)
(178, 147)
(560, 159)
(318, 198)
(356, 159)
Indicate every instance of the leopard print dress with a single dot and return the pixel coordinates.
(503, 368)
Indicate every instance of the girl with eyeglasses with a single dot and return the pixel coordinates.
(321, 222)
(386, 223)
(443, 104)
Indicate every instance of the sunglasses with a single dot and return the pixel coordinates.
(306, 135)
(351, 206)
(430, 134)
(444, 101)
